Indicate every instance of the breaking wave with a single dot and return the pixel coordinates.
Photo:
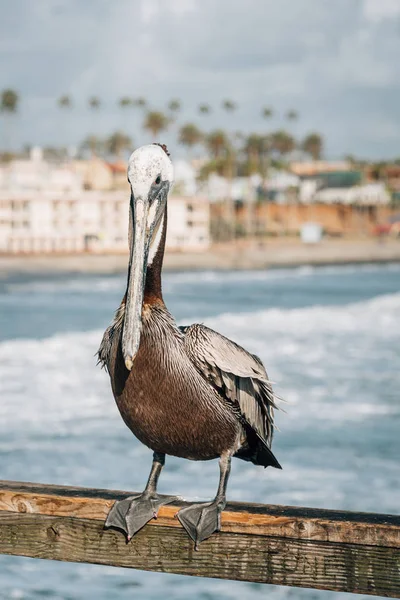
(328, 347)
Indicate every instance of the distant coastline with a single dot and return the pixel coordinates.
(273, 253)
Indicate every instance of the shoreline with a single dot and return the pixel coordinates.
(234, 256)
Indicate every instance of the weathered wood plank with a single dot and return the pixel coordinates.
(262, 559)
(269, 520)
(322, 549)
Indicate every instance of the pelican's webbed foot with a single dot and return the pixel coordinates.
(202, 520)
(131, 514)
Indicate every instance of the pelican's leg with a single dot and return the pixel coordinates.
(134, 512)
(202, 520)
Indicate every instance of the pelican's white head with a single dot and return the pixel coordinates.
(149, 169)
(150, 175)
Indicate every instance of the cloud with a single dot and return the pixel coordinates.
(379, 10)
(336, 63)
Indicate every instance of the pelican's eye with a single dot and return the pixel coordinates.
(158, 180)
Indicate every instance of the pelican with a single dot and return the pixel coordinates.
(186, 391)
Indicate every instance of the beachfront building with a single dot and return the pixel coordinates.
(37, 174)
(188, 223)
(90, 221)
(369, 194)
(48, 221)
(49, 208)
(317, 167)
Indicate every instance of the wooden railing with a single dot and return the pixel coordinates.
(282, 545)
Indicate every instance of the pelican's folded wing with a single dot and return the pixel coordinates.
(239, 376)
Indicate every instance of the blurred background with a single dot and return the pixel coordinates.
(283, 123)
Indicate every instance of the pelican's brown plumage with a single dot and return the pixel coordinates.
(184, 391)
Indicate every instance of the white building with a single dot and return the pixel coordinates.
(90, 221)
(62, 222)
(369, 194)
(188, 223)
(37, 174)
(45, 208)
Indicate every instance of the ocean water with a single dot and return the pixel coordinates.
(329, 338)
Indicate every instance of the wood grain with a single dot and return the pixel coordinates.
(322, 549)
(282, 521)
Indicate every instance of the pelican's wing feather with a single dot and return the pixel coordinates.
(238, 376)
(110, 338)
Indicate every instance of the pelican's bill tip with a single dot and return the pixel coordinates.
(129, 363)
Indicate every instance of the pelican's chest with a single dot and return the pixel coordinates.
(165, 401)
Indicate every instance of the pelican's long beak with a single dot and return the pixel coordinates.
(139, 249)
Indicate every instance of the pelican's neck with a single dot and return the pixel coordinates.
(152, 290)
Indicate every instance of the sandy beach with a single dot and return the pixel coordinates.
(235, 256)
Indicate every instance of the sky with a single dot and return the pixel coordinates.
(335, 62)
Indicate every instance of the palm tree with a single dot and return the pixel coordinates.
(94, 103)
(253, 149)
(155, 122)
(9, 101)
(313, 145)
(204, 109)
(65, 102)
(229, 168)
(190, 135)
(174, 106)
(217, 143)
(229, 106)
(282, 142)
(139, 102)
(292, 115)
(125, 102)
(117, 143)
(9, 107)
(93, 144)
(267, 112)
(222, 161)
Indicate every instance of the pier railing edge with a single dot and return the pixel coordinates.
(305, 547)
